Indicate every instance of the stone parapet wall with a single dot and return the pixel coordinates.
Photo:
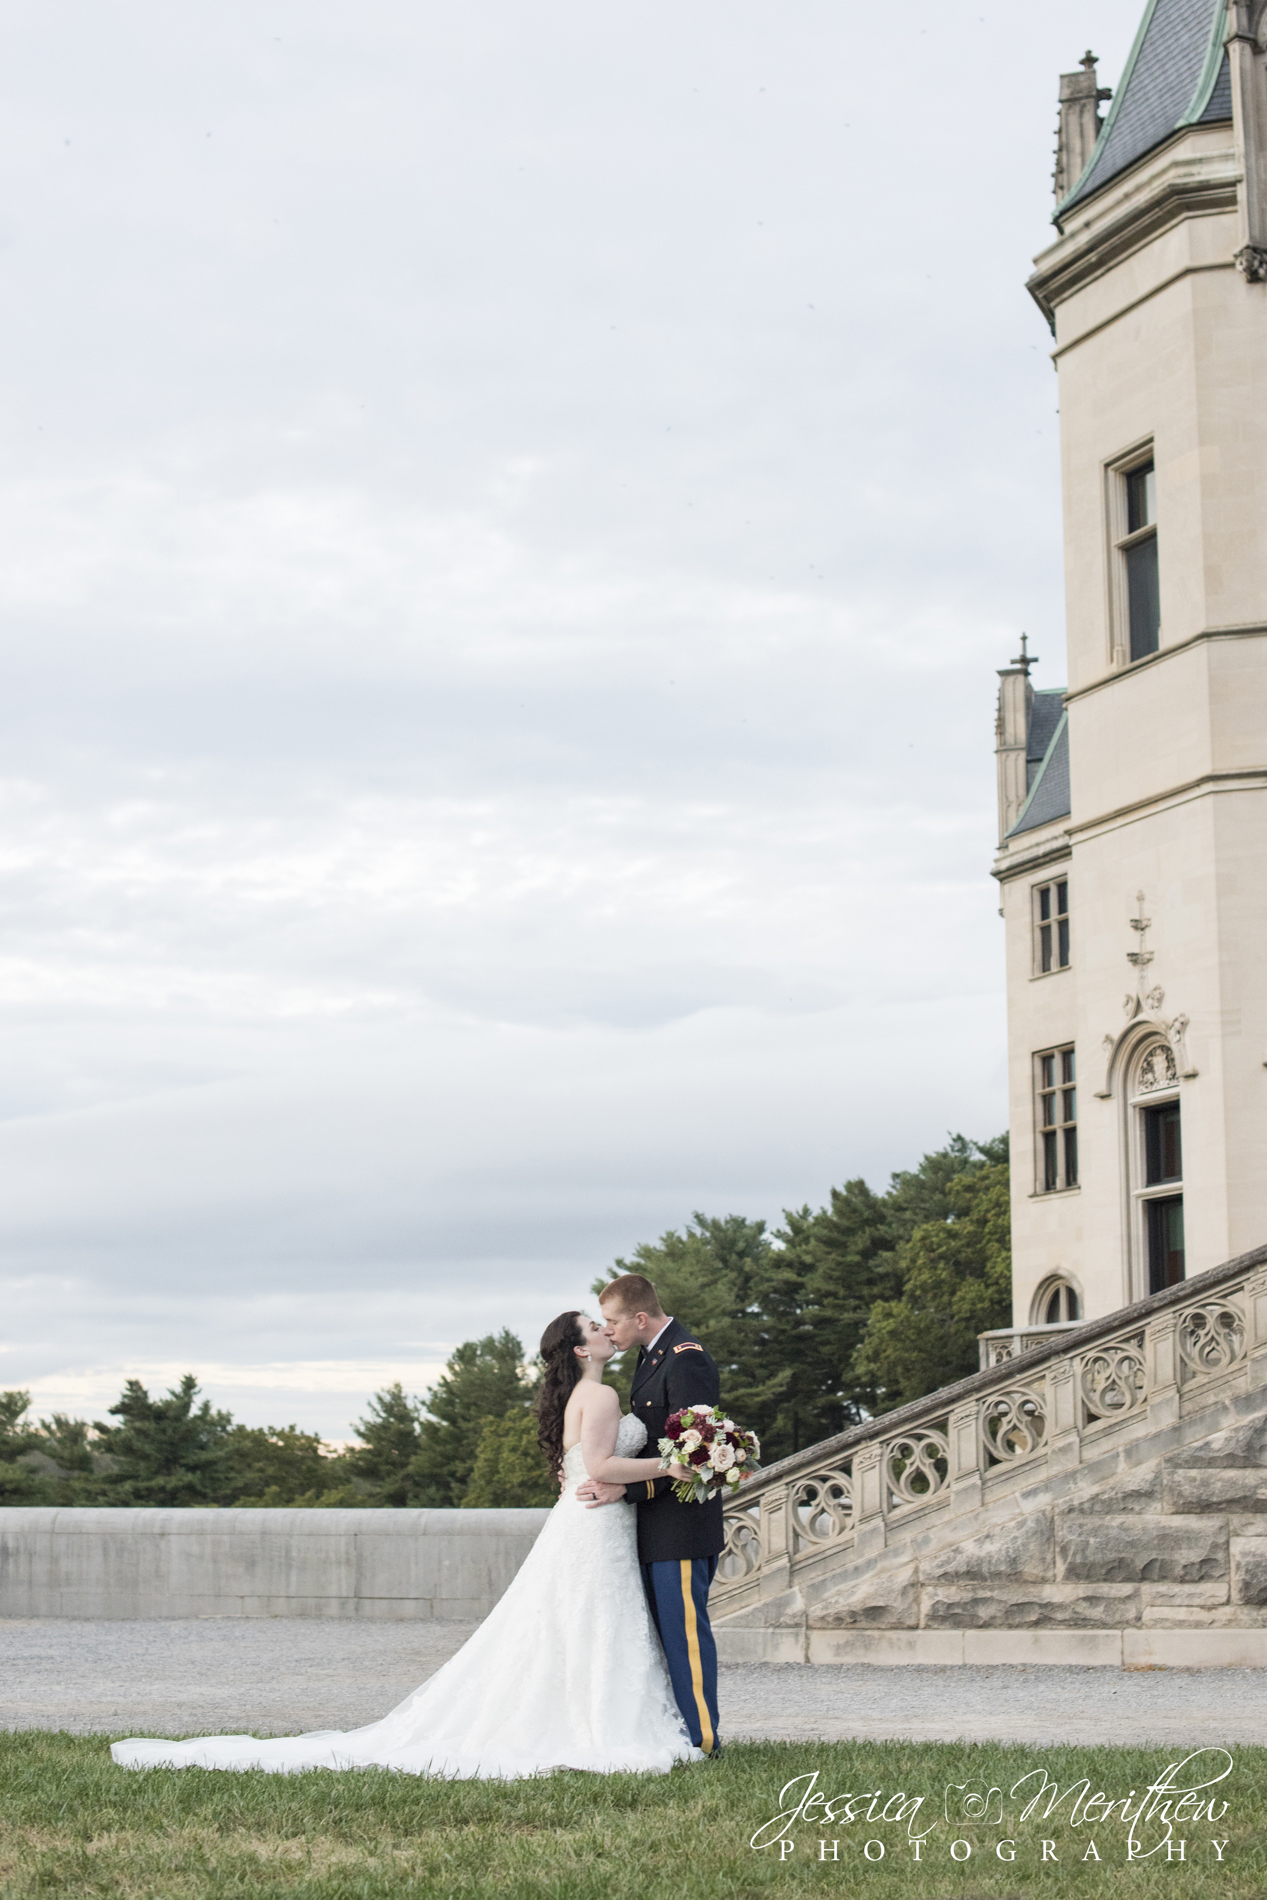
(450, 1566)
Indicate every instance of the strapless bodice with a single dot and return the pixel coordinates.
(631, 1436)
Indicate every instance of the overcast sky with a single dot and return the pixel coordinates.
(510, 516)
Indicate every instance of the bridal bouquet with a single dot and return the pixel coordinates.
(718, 1455)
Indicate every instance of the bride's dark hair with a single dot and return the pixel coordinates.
(562, 1371)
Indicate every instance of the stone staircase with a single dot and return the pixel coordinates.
(1097, 1497)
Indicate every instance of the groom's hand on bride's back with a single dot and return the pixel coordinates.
(594, 1492)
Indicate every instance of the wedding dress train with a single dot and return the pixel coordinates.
(566, 1672)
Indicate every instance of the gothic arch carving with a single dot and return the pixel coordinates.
(1121, 1050)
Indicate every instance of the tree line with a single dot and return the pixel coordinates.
(843, 1312)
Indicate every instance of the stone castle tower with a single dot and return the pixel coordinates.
(1097, 1491)
(1133, 806)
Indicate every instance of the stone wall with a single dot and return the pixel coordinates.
(445, 1565)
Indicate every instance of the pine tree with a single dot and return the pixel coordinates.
(956, 1282)
(389, 1443)
(165, 1451)
(485, 1378)
(19, 1483)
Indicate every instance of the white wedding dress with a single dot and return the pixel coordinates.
(566, 1672)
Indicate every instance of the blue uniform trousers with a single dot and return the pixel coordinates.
(677, 1592)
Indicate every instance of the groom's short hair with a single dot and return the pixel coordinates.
(631, 1293)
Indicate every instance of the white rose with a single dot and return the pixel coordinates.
(728, 1424)
(690, 1440)
(733, 1477)
(721, 1457)
(740, 1455)
(703, 1410)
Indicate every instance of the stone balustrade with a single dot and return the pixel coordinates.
(1006, 1342)
(859, 1532)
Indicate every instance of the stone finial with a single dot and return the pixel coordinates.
(1079, 126)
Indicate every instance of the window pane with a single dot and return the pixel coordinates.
(1062, 943)
(1072, 1309)
(1044, 947)
(1044, 902)
(1165, 1243)
(1066, 1065)
(1071, 1157)
(1068, 1108)
(1049, 1111)
(1141, 498)
(1051, 1177)
(1062, 898)
(1143, 598)
(1047, 1068)
(1053, 1312)
(1162, 1149)
(1171, 1159)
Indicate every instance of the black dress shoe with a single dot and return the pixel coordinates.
(714, 1753)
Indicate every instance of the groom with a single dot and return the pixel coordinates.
(678, 1544)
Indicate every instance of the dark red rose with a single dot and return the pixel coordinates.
(699, 1456)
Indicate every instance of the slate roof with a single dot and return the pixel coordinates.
(1176, 74)
(1044, 717)
(1049, 780)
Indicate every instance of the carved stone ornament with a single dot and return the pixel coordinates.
(822, 1506)
(1158, 1070)
(1114, 1379)
(742, 1553)
(1211, 1337)
(1155, 998)
(1013, 1424)
(1177, 1030)
(1251, 262)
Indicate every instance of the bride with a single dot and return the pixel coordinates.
(566, 1672)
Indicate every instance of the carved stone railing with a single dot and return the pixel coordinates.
(1062, 1392)
(1007, 1342)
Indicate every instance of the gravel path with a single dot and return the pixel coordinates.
(286, 1674)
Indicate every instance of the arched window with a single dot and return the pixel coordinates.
(1055, 1303)
(1156, 1149)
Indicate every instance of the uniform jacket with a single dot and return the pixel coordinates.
(676, 1372)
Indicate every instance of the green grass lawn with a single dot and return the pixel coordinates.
(72, 1824)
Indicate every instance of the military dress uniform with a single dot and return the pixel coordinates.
(679, 1544)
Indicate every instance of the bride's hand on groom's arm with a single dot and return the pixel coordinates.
(594, 1492)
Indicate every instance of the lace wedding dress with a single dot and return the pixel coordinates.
(567, 1672)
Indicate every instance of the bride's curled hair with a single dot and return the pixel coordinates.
(562, 1371)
